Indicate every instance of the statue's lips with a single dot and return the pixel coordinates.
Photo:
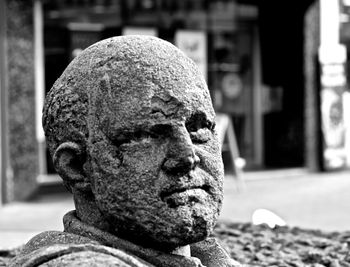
(172, 192)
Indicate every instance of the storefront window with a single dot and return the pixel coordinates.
(219, 42)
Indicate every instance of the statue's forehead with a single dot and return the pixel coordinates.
(138, 107)
(148, 102)
(144, 93)
(129, 90)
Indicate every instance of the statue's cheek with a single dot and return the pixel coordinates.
(105, 157)
(147, 155)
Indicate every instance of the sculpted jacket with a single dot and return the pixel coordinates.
(84, 245)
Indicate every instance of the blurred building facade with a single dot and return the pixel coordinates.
(252, 53)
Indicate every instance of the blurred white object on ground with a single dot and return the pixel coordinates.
(264, 216)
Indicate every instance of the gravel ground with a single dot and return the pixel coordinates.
(259, 246)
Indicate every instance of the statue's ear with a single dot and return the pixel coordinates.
(69, 159)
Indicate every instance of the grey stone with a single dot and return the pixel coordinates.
(131, 129)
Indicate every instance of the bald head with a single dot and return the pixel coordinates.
(131, 128)
(124, 68)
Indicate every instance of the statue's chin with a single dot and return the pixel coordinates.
(192, 236)
(166, 228)
(168, 236)
(167, 242)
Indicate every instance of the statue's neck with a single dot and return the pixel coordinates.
(88, 212)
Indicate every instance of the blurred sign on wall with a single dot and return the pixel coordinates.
(194, 45)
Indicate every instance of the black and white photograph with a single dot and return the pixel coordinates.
(174, 133)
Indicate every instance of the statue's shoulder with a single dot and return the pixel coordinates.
(54, 248)
(51, 238)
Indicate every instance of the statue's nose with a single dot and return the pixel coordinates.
(181, 157)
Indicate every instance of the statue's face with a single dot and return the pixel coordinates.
(156, 161)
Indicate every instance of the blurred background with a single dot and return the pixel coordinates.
(277, 73)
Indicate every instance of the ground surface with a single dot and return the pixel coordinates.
(302, 199)
(259, 246)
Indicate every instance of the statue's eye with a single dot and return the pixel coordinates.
(139, 135)
(160, 131)
(200, 128)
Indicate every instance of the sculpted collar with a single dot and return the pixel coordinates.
(206, 253)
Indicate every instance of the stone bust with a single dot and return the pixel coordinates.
(130, 127)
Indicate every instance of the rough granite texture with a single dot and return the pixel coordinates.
(131, 129)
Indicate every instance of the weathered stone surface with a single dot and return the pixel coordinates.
(131, 129)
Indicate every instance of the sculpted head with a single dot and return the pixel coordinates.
(131, 128)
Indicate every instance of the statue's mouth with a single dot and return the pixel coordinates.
(176, 196)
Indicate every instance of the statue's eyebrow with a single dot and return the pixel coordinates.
(127, 135)
(165, 105)
(123, 136)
